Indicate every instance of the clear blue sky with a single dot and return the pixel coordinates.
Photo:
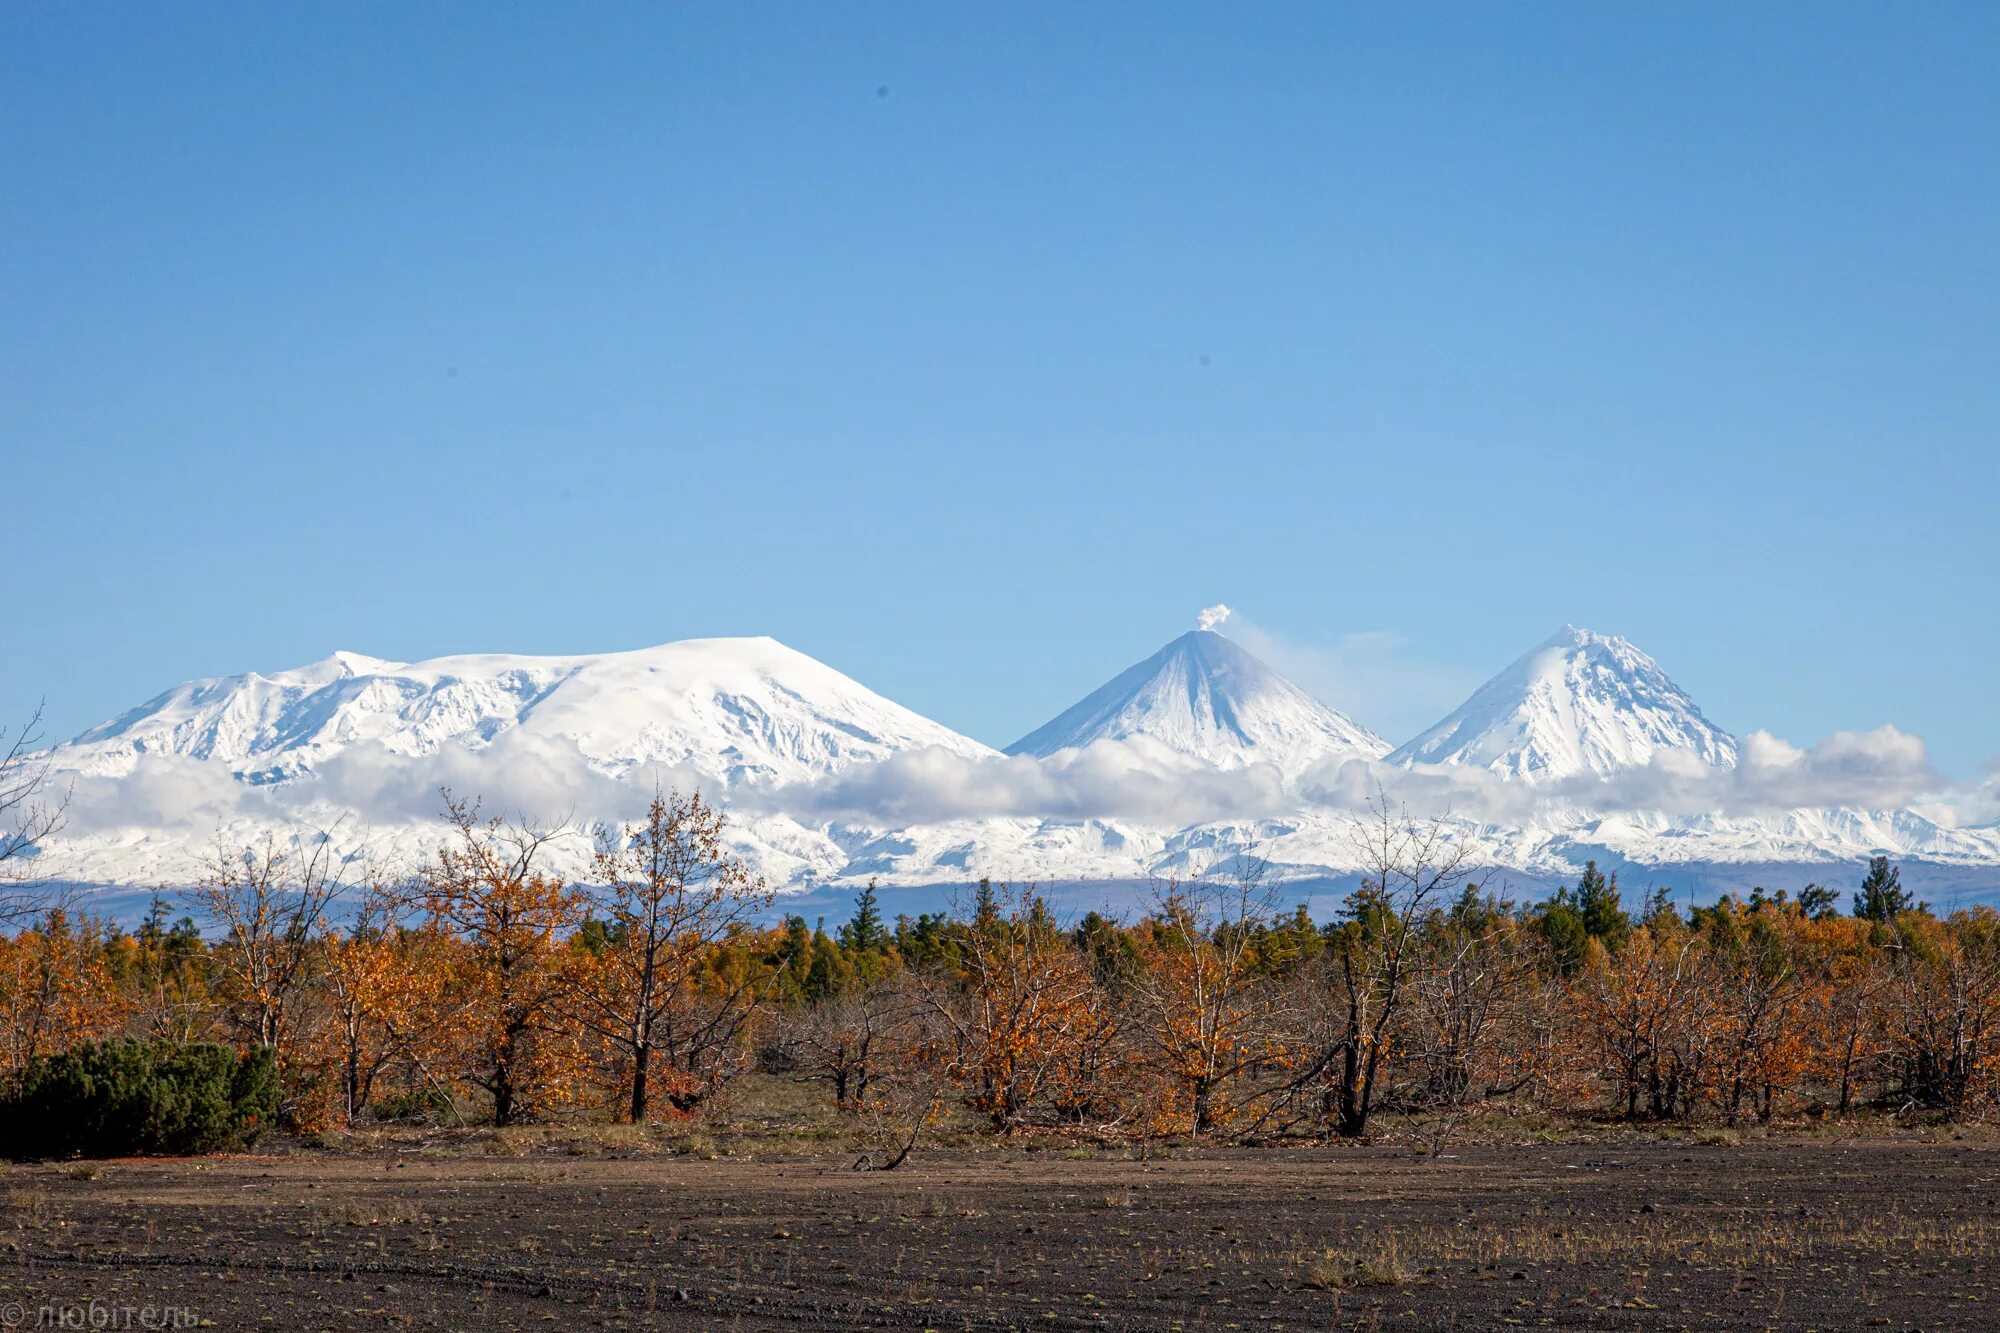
(972, 348)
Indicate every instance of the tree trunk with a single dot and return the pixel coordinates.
(1847, 1069)
(503, 1079)
(503, 1102)
(1352, 1120)
(642, 1058)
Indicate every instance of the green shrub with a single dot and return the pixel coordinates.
(118, 1098)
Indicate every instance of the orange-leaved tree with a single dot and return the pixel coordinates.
(1757, 1004)
(1210, 1014)
(55, 989)
(1011, 1007)
(668, 892)
(1945, 1026)
(484, 885)
(1642, 1009)
(390, 997)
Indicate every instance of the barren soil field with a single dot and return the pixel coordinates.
(1639, 1235)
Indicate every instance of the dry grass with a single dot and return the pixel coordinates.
(1334, 1270)
(1651, 1240)
(25, 1202)
(698, 1146)
(321, 1222)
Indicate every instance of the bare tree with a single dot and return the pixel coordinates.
(270, 901)
(911, 1065)
(850, 1039)
(30, 813)
(1467, 1007)
(1361, 983)
(1407, 862)
(905, 1096)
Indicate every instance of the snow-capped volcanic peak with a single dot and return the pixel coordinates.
(729, 708)
(1579, 703)
(1205, 697)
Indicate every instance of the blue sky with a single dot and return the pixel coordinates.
(972, 349)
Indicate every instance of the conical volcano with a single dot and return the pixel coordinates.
(1207, 698)
(1578, 703)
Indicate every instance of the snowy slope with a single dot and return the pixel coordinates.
(730, 709)
(1579, 703)
(365, 744)
(1205, 697)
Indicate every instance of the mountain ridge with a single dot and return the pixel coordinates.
(726, 707)
(371, 740)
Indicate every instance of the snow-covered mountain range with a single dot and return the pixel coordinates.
(731, 710)
(1583, 748)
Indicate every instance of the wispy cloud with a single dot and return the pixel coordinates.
(1377, 677)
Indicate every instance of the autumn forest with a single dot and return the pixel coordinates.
(480, 988)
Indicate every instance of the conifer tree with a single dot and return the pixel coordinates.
(828, 973)
(924, 938)
(1882, 896)
(1597, 903)
(1562, 929)
(865, 933)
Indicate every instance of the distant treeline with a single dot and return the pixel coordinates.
(483, 988)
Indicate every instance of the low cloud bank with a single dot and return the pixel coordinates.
(1145, 782)
(1871, 770)
(517, 777)
(1138, 781)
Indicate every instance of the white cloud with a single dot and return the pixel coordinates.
(1132, 779)
(1138, 780)
(162, 791)
(1972, 803)
(518, 778)
(1873, 770)
(1143, 781)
